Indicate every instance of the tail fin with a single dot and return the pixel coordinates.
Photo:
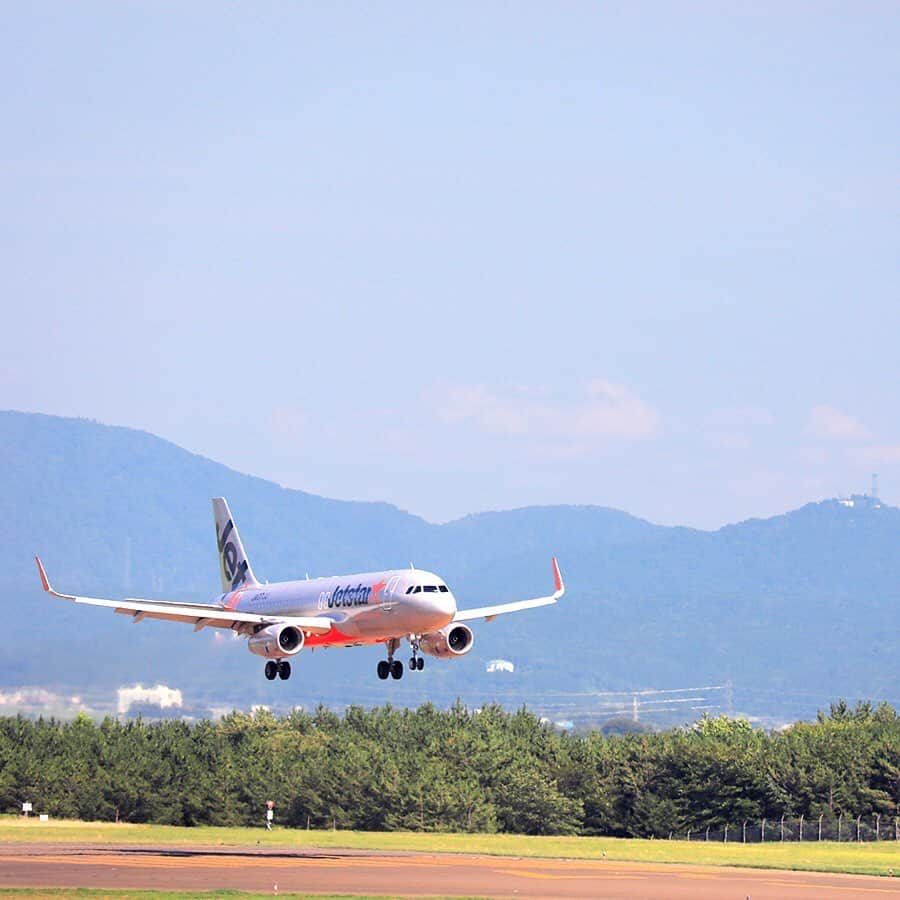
(234, 567)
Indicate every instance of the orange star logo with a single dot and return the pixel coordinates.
(377, 589)
(234, 599)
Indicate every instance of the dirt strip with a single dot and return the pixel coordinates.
(411, 874)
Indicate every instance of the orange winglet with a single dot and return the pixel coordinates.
(43, 574)
(557, 578)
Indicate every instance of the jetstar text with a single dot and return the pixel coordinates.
(346, 596)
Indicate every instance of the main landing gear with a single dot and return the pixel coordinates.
(393, 668)
(280, 668)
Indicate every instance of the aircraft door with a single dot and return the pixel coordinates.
(391, 594)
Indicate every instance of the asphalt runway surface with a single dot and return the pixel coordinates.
(407, 874)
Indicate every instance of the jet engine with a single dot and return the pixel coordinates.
(276, 641)
(451, 640)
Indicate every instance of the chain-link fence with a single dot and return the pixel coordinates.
(820, 828)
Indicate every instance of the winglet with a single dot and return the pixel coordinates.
(557, 579)
(45, 582)
(43, 574)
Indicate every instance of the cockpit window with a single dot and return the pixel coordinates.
(409, 590)
(431, 588)
(417, 589)
(443, 589)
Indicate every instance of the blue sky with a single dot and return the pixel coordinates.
(466, 256)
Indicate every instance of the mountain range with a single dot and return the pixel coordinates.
(773, 618)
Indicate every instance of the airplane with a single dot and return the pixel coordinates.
(282, 618)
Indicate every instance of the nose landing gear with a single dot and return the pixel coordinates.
(416, 664)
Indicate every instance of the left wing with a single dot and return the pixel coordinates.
(200, 615)
(488, 612)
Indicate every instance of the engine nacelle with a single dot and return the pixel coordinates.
(451, 640)
(276, 641)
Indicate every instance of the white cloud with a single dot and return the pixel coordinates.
(160, 695)
(608, 411)
(613, 410)
(487, 410)
(40, 700)
(828, 422)
(30, 697)
(883, 453)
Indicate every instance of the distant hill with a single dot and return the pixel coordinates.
(795, 611)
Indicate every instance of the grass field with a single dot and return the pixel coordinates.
(873, 858)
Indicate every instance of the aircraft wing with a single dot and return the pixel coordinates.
(488, 612)
(200, 615)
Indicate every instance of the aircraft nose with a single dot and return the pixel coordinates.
(446, 604)
(442, 604)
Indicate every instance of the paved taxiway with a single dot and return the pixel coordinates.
(344, 871)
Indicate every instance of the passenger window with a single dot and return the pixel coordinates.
(443, 589)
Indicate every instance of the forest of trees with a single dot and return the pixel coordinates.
(456, 769)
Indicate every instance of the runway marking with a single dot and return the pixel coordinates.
(832, 887)
(524, 873)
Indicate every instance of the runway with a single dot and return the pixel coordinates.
(408, 875)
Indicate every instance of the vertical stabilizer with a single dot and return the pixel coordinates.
(234, 567)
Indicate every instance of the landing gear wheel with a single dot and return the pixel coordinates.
(420, 663)
(384, 669)
(284, 670)
(397, 669)
(271, 669)
(413, 664)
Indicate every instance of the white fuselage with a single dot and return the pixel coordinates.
(365, 608)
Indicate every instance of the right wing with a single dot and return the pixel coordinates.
(488, 612)
(200, 615)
